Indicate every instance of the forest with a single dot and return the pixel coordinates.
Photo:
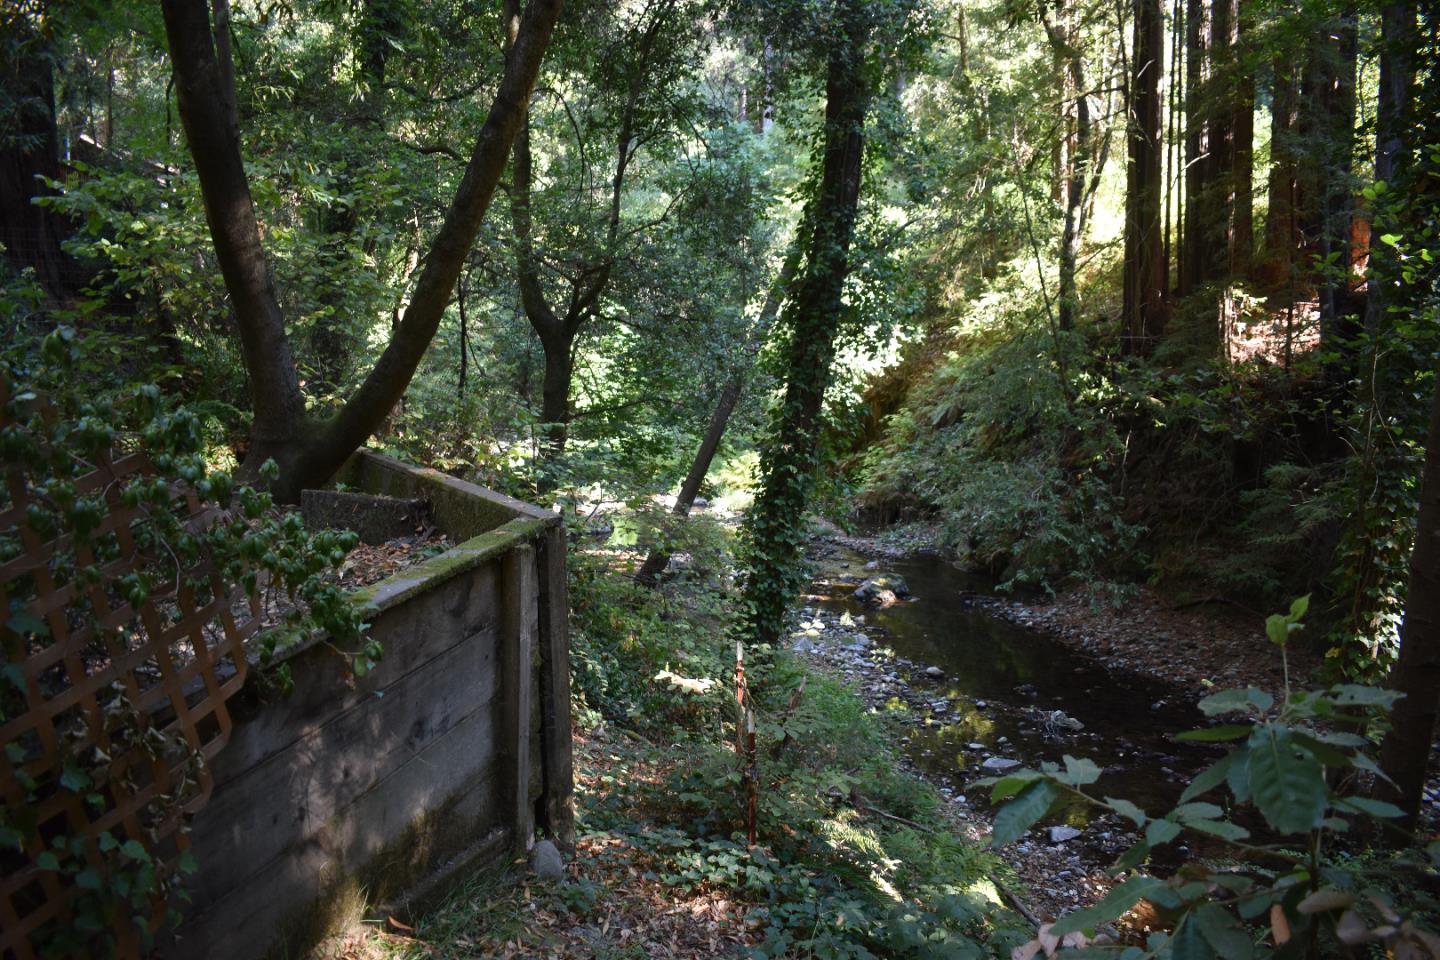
(992, 449)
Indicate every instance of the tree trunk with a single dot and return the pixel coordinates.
(1072, 68)
(1195, 251)
(557, 332)
(812, 318)
(1281, 228)
(1406, 751)
(1144, 302)
(657, 560)
(308, 453)
(1326, 126)
(1242, 128)
(29, 150)
(1397, 38)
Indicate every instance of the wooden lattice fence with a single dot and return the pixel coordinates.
(119, 657)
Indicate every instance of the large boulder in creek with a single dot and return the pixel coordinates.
(882, 590)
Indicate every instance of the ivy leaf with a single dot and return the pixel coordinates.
(1288, 788)
(48, 861)
(1020, 814)
(135, 851)
(25, 622)
(74, 779)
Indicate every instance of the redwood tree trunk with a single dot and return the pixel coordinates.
(1281, 229)
(1144, 302)
(1406, 750)
(1242, 131)
(29, 150)
(812, 318)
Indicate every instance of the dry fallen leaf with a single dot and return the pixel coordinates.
(1279, 926)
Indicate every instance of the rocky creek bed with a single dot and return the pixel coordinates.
(978, 685)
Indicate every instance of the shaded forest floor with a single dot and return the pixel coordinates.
(614, 902)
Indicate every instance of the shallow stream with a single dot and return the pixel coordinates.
(1003, 684)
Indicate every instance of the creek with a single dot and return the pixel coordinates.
(1007, 691)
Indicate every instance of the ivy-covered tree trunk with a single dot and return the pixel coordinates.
(1405, 753)
(811, 320)
(1072, 67)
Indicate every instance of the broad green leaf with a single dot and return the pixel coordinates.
(1370, 807)
(1136, 855)
(1188, 943)
(1339, 738)
(1080, 771)
(1300, 607)
(1203, 811)
(1225, 934)
(1229, 731)
(1237, 778)
(1277, 628)
(1288, 789)
(1359, 695)
(1161, 831)
(1231, 701)
(1209, 778)
(1363, 761)
(1020, 814)
(1127, 809)
(1120, 899)
(1223, 829)
(1006, 787)
(1323, 752)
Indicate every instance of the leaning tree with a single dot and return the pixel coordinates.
(308, 448)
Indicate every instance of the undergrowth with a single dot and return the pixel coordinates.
(855, 858)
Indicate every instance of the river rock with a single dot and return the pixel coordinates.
(934, 673)
(1062, 834)
(546, 862)
(872, 592)
(1000, 764)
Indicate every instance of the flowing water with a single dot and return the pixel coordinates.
(1005, 682)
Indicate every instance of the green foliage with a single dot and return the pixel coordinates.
(1300, 766)
(1025, 483)
(86, 415)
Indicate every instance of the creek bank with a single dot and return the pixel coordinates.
(1063, 867)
